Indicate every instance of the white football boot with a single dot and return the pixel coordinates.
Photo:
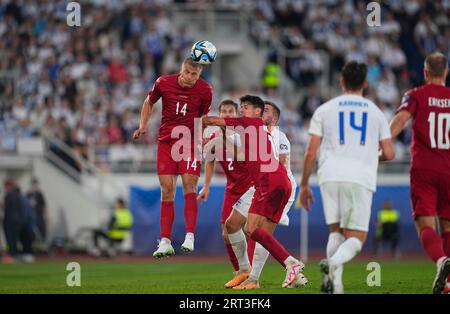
(443, 269)
(164, 249)
(294, 277)
(188, 244)
(327, 283)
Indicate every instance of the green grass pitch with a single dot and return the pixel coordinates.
(202, 276)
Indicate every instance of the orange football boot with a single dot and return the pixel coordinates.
(240, 277)
(247, 285)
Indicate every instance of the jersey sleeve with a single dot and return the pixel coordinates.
(385, 130)
(315, 126)
(285, 146)
(155, 93)
(206, 101)
(409, 103)
(241, 121)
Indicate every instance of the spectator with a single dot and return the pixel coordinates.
(26, 229)
(118, 230)
(373, 71)
(37, 201)
(75, 75)
(155, 47)
(17, 222)
(117, 72)
(13, 216)
(387, 229)
(425, 34)
(393, 57)
(20, 113)
(271, 75)
(114, 131)
(310, 103)
(387, 90)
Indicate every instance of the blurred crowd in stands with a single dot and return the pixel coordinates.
(85, 85)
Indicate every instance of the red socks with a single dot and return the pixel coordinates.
(232, 256)
(167, 216)
(190, 211)
(446, 243)
(271, 244)
(250, 249)
(432, 243)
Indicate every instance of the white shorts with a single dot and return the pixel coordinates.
(242, 206)
(348, 204)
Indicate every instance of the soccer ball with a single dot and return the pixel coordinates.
(203, 52)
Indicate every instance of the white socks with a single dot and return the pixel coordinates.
(335, 239)
(346, 251)
(259, 259)
(238, 242)
(189, 235)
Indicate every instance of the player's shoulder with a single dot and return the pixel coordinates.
(330, 106)
(372, 106)
(202, 83)
(283, 138)
(280, 133)
(167, 79)
(422, 92)
(326, 106)
(414, 91)
(426, 89)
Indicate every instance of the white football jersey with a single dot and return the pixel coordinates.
(351, 128)
(283, 146)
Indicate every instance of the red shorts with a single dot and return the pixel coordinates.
(166, 165)
(430, 194)
(271, 196)
(229, 200)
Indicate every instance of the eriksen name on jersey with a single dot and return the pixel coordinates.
(439, 102)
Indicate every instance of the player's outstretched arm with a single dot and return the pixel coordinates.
(209, 171)
(398, 123)
(306, 196)
(208, 121)
(146, 112)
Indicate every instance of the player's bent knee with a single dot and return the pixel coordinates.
(248, 230)
(424, 222)
(190, 188)
(334, 228)
(360, 235)
(167, 194)
(231, 226)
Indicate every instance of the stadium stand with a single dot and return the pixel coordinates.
(85, 85)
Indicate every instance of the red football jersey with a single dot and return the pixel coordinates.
(259, 147)
(238, 178)
(429, 106)
(179, 105)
